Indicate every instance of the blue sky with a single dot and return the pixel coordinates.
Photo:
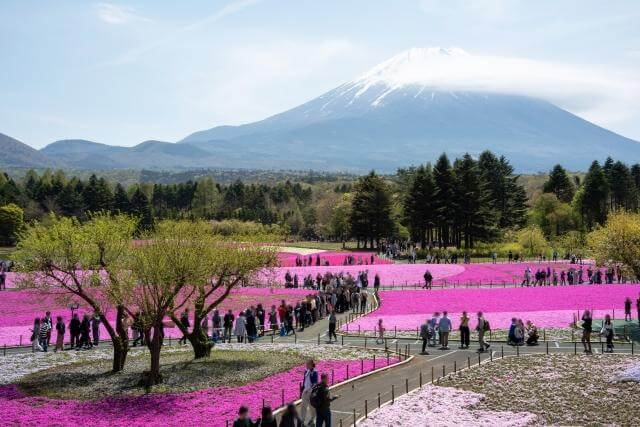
(124, 72)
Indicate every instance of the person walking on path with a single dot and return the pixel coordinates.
(45, 330)
(60, 330)
(243, 419)
(465, 332)
(607, 331)
(35, 335)
(381, 330)
(241, 327)
(433, 329)
(587, 323)
(321, 400)
(332, 326)
(482, 328)
(309, 380)
(627, 310)
(444, 327)
(424, 334)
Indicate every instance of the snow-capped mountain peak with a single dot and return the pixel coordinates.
(421, 66)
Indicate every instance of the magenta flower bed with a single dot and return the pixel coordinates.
(413, 274)
(18, 308)
(212, 407)
(288, 259)
(390, 274)
(545, 306)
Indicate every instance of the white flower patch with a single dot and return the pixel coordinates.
(320, 352)
(443, 406)
(630, 374)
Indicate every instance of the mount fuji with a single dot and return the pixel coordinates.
(402, 113)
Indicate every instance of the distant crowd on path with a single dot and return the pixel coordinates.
(315, 398)
(573, 276)
(348, 260)
(331, 280)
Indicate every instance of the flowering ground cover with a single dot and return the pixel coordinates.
(390, 274)
(560, 389)
(443, 406)
(397, 275)
(259, 373)
(18, 308)
(549, 306)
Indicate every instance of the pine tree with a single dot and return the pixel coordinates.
(595, 197)
(475, 218)
(622, 186)
(141, 208)
(559, 184)
(69, 200)
(97, 195)
(444, 198)
(418, 205)
(121, 203)
(370, 217)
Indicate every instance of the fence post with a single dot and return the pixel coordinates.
(362, 366)
(443, 370)
(366, 409)
(547, 342)
(393, 394)
(420, 379)
(455, 366)
(354, 417)
(544, 334)
(282, 396)
(347, 371)
(432, 375)
(406, 385)
(332, 376)
(632, 347)
(374, 362)
(518, 351)
(378, 400)
(502, 351)
(478, 359)
(342, 336)
(575, 348)
(468, 361)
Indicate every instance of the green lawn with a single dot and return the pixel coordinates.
(5, 251)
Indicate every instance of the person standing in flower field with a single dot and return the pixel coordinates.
(482, 328)
(309, 380)
(444, 327)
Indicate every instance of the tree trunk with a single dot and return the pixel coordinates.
(119, 355)
(153, 376)
(199, 341)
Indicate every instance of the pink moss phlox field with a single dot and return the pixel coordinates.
(18, 308)
(550, 306)
(288, 259)
(413, 274)
(390, 274)
(212, 407)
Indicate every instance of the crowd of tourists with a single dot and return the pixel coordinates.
(331, 280)
(315, 405)
(350, 259)
(83, 333)
(573, 276)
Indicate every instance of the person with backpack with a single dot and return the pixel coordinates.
(321, 400)
(60, 330)
(482, 327)
(309, 380)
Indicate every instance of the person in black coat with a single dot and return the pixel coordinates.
(252, 329)
(74, 331)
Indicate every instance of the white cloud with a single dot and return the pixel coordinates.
(117, 15)
(602, 94)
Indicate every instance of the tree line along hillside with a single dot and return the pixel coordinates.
(460, 202)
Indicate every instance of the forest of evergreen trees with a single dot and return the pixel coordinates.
(448, 203)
